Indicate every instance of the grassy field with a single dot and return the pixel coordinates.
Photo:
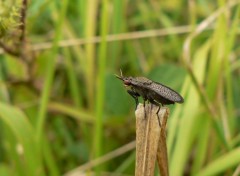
(62, 111)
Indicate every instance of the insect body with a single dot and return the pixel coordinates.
(151, 91)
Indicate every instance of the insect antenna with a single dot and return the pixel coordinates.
(121, 75)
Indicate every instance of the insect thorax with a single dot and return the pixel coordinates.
(143, 80)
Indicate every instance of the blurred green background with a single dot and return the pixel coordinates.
(61, 107)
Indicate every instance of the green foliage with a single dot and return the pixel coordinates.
(114, 100)
(61, 105)
(9, 18)
(25, 142)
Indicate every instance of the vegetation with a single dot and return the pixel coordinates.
(62, 107)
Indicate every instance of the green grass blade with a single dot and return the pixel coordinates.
(185, 135)
(101, 82)
(222, 163)
(90, 31)
(50, 72)
(117, 27)
(73, 84)
(68, 110)
(24, 132)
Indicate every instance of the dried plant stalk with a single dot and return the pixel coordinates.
(162, 156)
(148, 134)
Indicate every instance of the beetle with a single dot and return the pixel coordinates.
(154, 92)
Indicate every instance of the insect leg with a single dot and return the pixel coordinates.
(159, 107)
(153, 102)
(134, 95)
(157, 104)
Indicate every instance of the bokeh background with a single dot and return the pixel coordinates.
(63, 112)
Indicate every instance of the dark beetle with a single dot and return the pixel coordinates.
(154, 92)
